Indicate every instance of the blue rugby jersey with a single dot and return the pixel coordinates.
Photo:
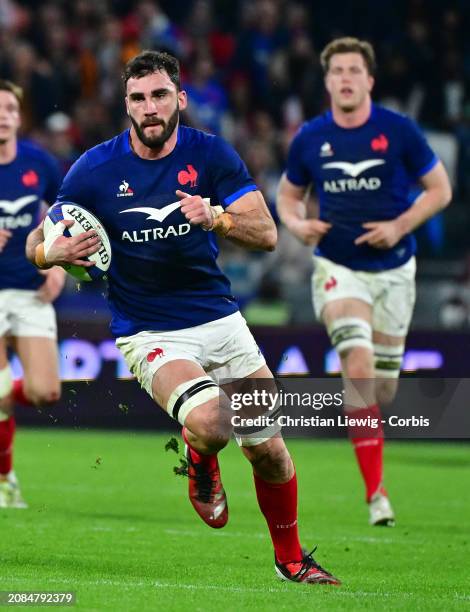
(32, 177)
(163, 274)
(360, 174)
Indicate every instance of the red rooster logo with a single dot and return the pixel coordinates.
(331, 283)
(158, 352)
(380, 143)
(30, 179)
(188, 176)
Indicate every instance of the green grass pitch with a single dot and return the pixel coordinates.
(110, 521)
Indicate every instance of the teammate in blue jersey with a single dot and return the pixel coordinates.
(165, 193)
(361, 160)
(29, 177)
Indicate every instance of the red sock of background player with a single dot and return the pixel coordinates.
(209, 461)
(7, 433)
(19, 396)
(368, 445)
(278, 503)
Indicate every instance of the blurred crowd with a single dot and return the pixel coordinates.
(251, 69)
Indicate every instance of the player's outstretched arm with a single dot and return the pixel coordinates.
(292, 209)
(58, 249)
(246, 222)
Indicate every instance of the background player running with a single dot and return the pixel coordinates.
(29, 177)
(174, 317)
(362, 160)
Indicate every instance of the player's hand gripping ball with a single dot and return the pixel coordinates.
(84, 220)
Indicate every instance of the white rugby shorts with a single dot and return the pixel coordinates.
(391, 293)
(22, 314)
(224, 348)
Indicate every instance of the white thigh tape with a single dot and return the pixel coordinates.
(387, 360)
(349, 332)
(189, 395)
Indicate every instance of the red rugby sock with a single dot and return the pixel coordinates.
(368, 445)
(7, 433)
(278, 503)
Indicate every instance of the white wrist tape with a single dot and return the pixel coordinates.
(52, 235)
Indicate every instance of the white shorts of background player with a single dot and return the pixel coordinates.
(390, 293)
(22, 314)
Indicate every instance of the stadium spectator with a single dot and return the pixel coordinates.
(362, 160)
(180, 329)
(29, 177)
(207, 97)
(264, 169)
(60, 140)
(261, 37)
(157, 30)
(454, 313)
(266, 57)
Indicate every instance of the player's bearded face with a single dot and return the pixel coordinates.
(156, 138)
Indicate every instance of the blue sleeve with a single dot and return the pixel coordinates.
(74, 186)
(229, 175)
(296, 171)
(419, 158)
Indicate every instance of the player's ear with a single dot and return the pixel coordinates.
(371, 81)
(127, 106)
(182, 100)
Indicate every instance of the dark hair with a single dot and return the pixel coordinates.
(12, 88)
(149, 62)
(348, 44)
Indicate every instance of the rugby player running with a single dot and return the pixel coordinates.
(30, 178)
(361, 160)
(175, 320)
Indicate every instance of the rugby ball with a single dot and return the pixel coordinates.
(84, 221)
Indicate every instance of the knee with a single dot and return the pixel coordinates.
(216, 428)
(6, 406)
(271, 460)
(199, 406)
(42, 395)
(358, 371)
(359, 365)
(211, 425)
